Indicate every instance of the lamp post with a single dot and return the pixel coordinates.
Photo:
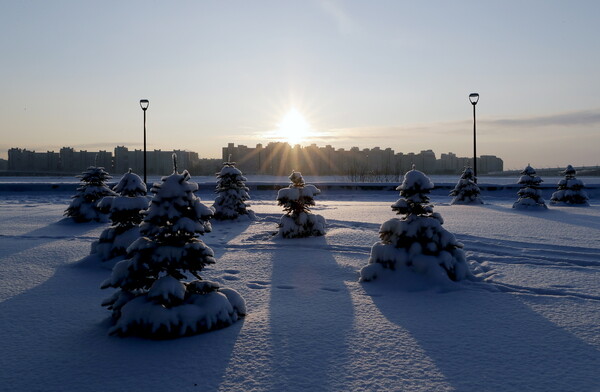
(144, 105)
(474, 97)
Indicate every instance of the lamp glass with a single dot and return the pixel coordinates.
(474, 97)
(144, 104)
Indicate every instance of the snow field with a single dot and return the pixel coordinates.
(533, 324)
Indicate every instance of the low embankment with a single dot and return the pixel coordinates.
(441, 189)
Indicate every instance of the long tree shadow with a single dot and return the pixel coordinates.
(55, 337)
(63, 229)
(484, 341)
(223, 232)
(29, 259)
(574, 216)
(311, 313)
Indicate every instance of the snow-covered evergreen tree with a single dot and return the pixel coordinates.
(570, 190)
(417, 242)
(296, 200)
(153, 298)
(125, 213)
(232, 194)
(466, 190)
(530, 195)
(83, 207)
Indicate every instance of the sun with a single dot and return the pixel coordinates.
(293, 128)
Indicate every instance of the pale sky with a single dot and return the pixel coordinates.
(385, 73)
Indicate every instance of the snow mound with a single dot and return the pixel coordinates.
(198, 313)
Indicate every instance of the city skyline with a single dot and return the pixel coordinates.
(275, 158)
(349, 73)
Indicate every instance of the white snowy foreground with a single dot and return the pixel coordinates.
(531, 324)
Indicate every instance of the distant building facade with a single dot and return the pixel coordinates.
(280, 159)
(273, 159)
(157, 161)
(69, 161)
(25, 160)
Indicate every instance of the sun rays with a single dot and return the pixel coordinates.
(293, 128)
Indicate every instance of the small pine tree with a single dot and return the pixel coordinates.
(232, 194)
(152, 299)
(466, 190)
(530, 195)
(125, 213)
(570, 190)
(296, 201)
(416, 242)
(83, 207)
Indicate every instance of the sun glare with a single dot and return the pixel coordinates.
(293, 128)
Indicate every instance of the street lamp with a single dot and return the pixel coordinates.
(474, 98)
(144, 105)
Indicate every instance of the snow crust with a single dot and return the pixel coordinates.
(198, 313)
(308, 191)
(130, 185)
(415, 179)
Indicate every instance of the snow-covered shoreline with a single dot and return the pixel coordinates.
(330, 191)
(269, 179)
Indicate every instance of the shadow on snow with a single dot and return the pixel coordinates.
(56, 338)
(466, 331)
(311, 313)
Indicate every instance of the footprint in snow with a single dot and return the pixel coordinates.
(258, 284)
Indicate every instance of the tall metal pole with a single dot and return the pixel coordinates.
(474, 144)
(145, 177)
(474, 98)
(144, 103)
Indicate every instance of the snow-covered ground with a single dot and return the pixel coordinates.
(534, 325)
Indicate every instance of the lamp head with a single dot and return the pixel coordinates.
(144, 104)
(474, 97)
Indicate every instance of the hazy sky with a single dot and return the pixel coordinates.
(361, 73)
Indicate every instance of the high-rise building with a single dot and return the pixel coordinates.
(69, 161)
(279, 158)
